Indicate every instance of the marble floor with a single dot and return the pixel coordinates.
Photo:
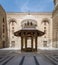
(15, 57)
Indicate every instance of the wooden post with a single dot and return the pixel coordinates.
(36, 43)
(25, 43)
(32, 42)
(21, 43)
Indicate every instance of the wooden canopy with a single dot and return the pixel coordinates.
(28, 33)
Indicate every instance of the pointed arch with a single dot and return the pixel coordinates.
(12, 20)
(45, 20)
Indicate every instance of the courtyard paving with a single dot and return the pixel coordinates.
(15, 57)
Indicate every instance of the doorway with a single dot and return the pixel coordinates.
(29, 42)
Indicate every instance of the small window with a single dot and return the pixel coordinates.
(13, 45)
(3, 25)
(44, 27)
(12, 27)
(12, 36)
(12, 41)
(45, 43)
(3, 30)
(3, 20)
(12, 31)
(3, 44)
(3, 36)
(45, 31)
(12, 23)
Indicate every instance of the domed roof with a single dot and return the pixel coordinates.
(29, 23)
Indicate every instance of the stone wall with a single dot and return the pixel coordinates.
(55, 25)
(39, 17)
(3, 28)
